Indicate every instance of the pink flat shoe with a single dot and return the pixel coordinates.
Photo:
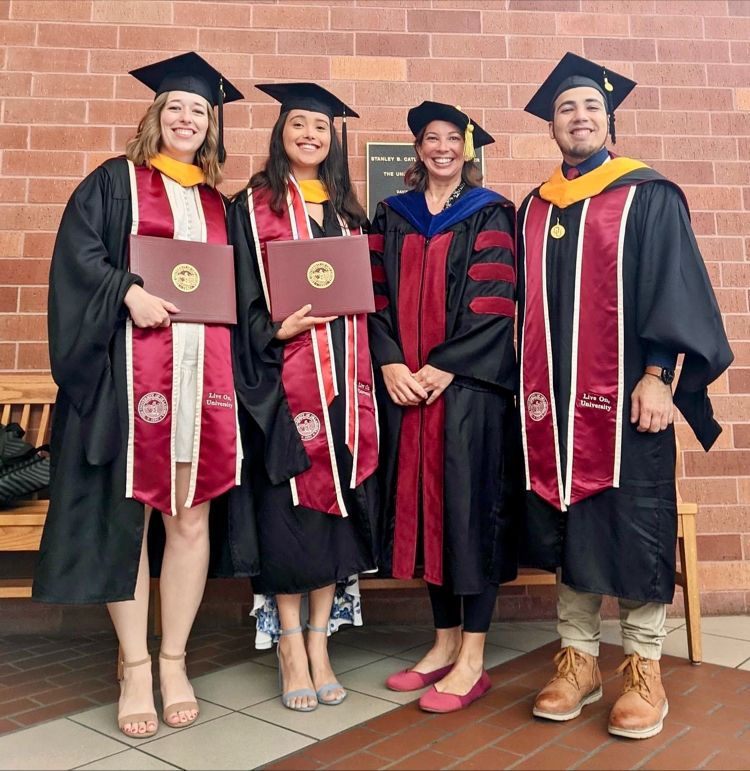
(434, 701)
(409, 680)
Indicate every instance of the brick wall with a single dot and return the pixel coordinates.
(66, 104)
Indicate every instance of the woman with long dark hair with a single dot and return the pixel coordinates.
(132, 433)
(315, 502)
(442, 263)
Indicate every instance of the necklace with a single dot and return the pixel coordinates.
(453, 197)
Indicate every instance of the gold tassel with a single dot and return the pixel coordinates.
(469, 152)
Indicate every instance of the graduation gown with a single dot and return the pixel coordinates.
(299, 548)
(444, 289)
(92, 537)
(615, 540)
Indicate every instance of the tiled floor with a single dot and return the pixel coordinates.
(243, 725)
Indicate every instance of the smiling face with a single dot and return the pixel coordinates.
(184, 123)
(442, 151)
(307, 141)
(579, 123)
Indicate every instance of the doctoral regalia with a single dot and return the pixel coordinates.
(93, 533)
(308, 483)
(608, 268)
(444, 290)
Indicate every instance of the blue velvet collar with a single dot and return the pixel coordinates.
(413, 208)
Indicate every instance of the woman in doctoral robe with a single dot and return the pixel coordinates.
(132, 433)
(306, 387)
(442, 339)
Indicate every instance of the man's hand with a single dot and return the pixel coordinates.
(402, 386)
(147, 310)
(651, 405)
(299, 321)
(433, 380)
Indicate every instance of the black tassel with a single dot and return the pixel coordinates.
(345, 152)
(222, 151)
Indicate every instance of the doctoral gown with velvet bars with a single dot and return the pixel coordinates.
(446, 284)
(622, 541)
(299, 549)
(93, 533)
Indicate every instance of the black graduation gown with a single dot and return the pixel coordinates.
(91, 543)
(481, 442)
(622, 541)
(299, 549)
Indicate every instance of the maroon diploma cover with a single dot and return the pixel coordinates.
(332, 274)
(197, 277)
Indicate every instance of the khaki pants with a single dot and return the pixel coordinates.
(579, 623)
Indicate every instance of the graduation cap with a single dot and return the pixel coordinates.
(574, 71)
(474, 135)
(315, 98)
(192, 73)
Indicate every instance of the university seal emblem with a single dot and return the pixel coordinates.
(308, 425)
(185, 277)
(321, 274)
(153, 407)
(537, 405)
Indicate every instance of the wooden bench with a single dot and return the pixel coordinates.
(26, 400)
(686, 576)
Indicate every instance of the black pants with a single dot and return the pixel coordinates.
(477, 608)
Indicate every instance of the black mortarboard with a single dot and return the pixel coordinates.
(315, 98)
(192, 73)
(474, 135)
(574, 71)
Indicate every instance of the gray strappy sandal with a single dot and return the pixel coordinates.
(286, 698)
(328, 687)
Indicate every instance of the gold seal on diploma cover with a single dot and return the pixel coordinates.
(321, 274)
(557, 231)
(185, 277)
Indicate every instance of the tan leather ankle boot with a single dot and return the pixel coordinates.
(642, 706)
(576, 683)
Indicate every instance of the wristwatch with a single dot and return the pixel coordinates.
(663, 373)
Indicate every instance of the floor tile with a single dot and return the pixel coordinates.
(521, 638)
(371, 680)
(727, 626)
(716, 650)
(104, 720)
(386, 640)
(130, 760)
(60, 744)
(231, 742)
(343, 657)
(324, 721)
(239, 686)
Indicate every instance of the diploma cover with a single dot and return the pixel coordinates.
(332, 274)
(197, 277)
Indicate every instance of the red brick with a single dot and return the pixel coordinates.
(363, 761)
(732, 300)
(53, 60)
(202, 14)
(553, 757)
(710, 197)
(739, 378)
(623, 6)
(731, 28)
(76, 35)
(71, 137)
(40, 111)
(14, 137)
(27, 327)
(17, 33)
(16, 216)
(671, 122)
(379, 93)
(719, 547)
(606, 25)
(671, 74)
(719, 463)
(33, 356)
(133, 11)
(64, 10)
(730, 124)
(238, 41)
(699, 99)
(473, 96)
(444, 70)
(322, 43)
(84, 86)
(390, 44)
(38, 163)
(694, 51)
(741, 439)
(391, 19)
(305, 16)
(559, 6)
(141, 37)
(694, 148)
(536, 47)
(11, 243)
(12, 189)
(7, 362)
(307, 68)
(421, 761)
(739, 51)
(14, 83)
(33, 299)
(8, 299)
(605, 49)
(443, 21)
(733, 223)
(517, 22)
(488, 758)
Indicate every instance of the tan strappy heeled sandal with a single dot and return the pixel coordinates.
(137, 717)
(171, 710)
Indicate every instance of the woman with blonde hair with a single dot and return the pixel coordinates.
(135, 429)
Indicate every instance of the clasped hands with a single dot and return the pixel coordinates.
(408, 389)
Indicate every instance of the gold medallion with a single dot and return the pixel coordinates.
(185, 277)
(557, 231)
(321, 274)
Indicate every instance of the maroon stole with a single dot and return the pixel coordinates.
(309, 375)
(153, 384)
(596, 389)
(421, 318)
